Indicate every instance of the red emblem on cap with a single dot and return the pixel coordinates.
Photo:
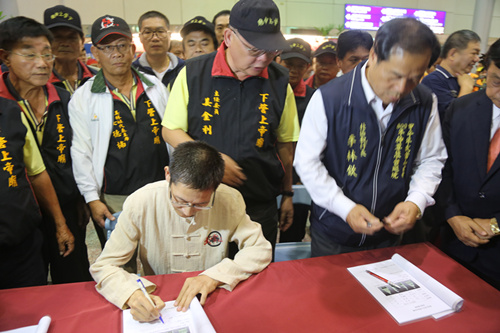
(107, 22)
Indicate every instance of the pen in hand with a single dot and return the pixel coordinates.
(143, 289)
(383, 279)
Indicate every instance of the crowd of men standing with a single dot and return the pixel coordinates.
(372, 143)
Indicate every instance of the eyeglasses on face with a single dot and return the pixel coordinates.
(109, 49)
(33, 56)
(160, 33)
(255, 52)
(179, 204)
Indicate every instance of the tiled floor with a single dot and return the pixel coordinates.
(93, 244)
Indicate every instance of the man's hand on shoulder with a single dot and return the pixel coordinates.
(467, 230)
(362, 221)
(193, 286)
(141, 309)
(402, 218)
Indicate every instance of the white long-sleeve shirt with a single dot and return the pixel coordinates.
(323, 188)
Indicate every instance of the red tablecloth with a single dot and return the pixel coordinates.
(310, 295)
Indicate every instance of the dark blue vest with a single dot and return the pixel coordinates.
(372, 167)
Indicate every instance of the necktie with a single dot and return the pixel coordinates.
(494, 149)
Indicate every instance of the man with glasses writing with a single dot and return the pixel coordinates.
(116, 116)
(181, 224)
(155, 38)
(239, 101)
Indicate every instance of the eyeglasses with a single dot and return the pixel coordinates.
(33, 56)
(161, 33)
(178, 204)
(110, 49)
(255, 52)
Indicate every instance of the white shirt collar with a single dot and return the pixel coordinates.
(383, 114)
(369, 93)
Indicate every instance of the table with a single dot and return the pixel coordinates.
(309, 295)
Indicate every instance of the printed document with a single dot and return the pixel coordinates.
(407, 293)
(194, 320)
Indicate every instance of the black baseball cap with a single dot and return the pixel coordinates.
(197, 23)
(109, 25)
(327, 47)
(258, 21)
(62, 16)
(299, 49)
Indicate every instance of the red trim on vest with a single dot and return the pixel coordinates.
(221, 67)
(4, 91)
(300, 89)
(86, 73)
(310, 81)
(140, 89)
(51, 90)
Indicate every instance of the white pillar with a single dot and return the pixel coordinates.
(481, 22)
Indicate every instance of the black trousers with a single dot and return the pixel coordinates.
(74, 267)
(297, 230)
(22, 265)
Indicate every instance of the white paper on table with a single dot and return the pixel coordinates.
(194, 320)
(42, 327)
(419, 295)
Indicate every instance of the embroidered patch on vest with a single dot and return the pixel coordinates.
(214, 239)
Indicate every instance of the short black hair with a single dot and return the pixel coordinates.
(493, 55)
(221, 13)
(350, 40)
(152, 14)
(197, 165)
(16, 28)
(459, 40)
(408, 34)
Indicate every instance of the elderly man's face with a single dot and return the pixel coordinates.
(67, 45)
(30, 61)
(197, 43)
(397, 76)
(245, 60)
(115, 55)
(464, 60)
(297, 69)
(326, 67)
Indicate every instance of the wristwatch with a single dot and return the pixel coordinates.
(287, 193)
(494, 226)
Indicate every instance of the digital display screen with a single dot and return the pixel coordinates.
(372, 17)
